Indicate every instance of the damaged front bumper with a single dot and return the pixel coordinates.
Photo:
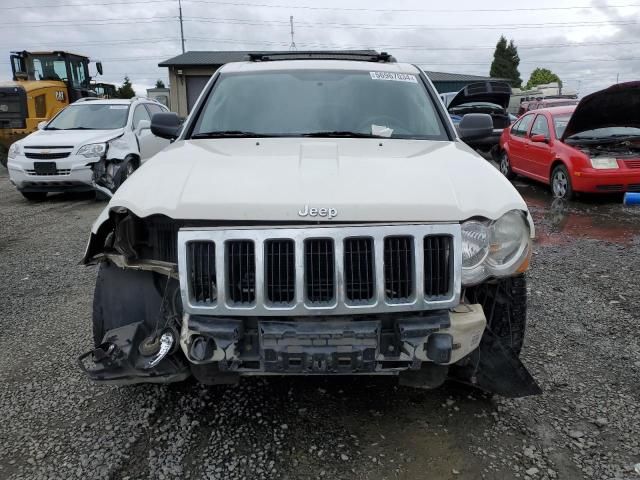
(387, 344)
(118, 360)
(423, 350)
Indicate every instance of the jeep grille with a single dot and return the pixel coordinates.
(319, 270)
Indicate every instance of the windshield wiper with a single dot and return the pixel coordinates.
(230, 133)
(340, 133)
(81, 128)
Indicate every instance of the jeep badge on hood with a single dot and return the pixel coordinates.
(318, 212)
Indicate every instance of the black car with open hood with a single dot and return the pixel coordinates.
(490, 97)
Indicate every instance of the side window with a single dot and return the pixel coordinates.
(153, 109)
(540, 126)
(521, 127)
(140, 113)
(79, 79)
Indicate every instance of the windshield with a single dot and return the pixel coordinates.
(320, 103)
(90, 116)
(559, 124)
(608, 132)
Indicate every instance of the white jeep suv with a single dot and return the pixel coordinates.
(317, 214)
(93, 144)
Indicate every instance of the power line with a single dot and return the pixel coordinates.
(280, 23)
(510, 26)
(406, 47)
(88, 23)
(312, 7)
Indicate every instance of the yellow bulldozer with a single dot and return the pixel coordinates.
(43, 84)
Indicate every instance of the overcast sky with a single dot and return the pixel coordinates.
(586, 42)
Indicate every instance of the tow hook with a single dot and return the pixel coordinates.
(167, 341)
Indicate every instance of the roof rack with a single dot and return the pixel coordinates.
(87, 99)
(366, 56)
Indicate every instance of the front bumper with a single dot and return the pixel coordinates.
(72, 173)
(602, 181)
(376, 345)
(257, 346)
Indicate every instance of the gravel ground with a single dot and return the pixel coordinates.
(583, 347)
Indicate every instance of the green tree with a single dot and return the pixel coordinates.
(506, 61)
(159, 84)
(126, 89)
(541, 76)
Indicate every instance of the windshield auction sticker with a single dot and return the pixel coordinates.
(396, 77)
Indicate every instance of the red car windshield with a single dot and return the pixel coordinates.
(559, 124)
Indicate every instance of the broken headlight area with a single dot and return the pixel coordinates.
(151, 239)
(121, 358)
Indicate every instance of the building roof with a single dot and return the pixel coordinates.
(206, 58)
(456, 77)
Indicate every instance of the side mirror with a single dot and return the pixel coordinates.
(99, 67)
(143, 125)
(539, 138)
(475, 126)
(41, 125)
(166, 125)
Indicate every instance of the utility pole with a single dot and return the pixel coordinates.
(293, 43)
(617, 78)
(181, 29)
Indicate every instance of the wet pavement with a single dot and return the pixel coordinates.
(596, 217)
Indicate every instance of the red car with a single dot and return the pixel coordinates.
(591, 147)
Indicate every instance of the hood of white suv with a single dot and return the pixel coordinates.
(69, 138)
(277, 179)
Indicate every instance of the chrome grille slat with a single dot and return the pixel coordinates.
(241, 271)
(399, 261)
(202, 268)
(358, 269)
(280, 271)
(322, 270)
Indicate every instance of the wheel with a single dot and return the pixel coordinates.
(561, 183)
(505, 165)
(504, 303)
(34, 196)
(129, 166)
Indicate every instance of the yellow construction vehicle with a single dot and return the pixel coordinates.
(43, 83)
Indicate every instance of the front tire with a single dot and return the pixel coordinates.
(561, 183)
(34, 196)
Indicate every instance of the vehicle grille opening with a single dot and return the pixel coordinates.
(398, 268)
(632, 163)
(46, 156)
(280, 270)
(359, 269)
(437, 265)
(319, 270)
(201, 257)
(241, 271)
(610, 188)
(634, 187)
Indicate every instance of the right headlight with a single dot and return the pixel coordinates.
(92, 150)
(495, 249)
(14, 150)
